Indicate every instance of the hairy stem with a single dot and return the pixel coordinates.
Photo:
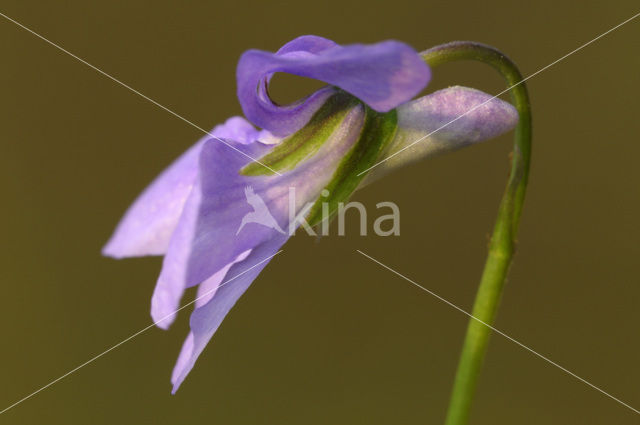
(503, 239)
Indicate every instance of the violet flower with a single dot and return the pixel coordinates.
(193, 212)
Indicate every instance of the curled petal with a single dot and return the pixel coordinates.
(444, 121)
(148, 224)
(383, 75)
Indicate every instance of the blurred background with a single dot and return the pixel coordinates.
(324, 336)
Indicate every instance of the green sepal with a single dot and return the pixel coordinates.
(377, 132)
(305, 142)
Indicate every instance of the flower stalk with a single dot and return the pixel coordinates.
(503, 239)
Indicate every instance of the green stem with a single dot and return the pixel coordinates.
(502, 245)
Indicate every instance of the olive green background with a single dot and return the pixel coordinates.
(324, 336)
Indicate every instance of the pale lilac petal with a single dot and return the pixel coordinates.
(184, 358)
(383, 75)
(210, 234)
(207, 289)
(165, 300)
(147, 226)
(206, 319)
(444, 121)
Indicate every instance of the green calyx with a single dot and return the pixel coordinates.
(307, 141)
(378, 130)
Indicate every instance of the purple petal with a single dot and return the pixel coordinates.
(211, 233)
(207, 289)
(184, 358)
(452, 118)
(165, 300)
(206, 319)
(205, 293)
(383, 75)
(149, 222)
(222, 247)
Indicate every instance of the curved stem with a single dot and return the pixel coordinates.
(502, 245)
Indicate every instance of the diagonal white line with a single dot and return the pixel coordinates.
(444, 300)
(503, 92)
(175, 114)
(362, 253)
(91, 360)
